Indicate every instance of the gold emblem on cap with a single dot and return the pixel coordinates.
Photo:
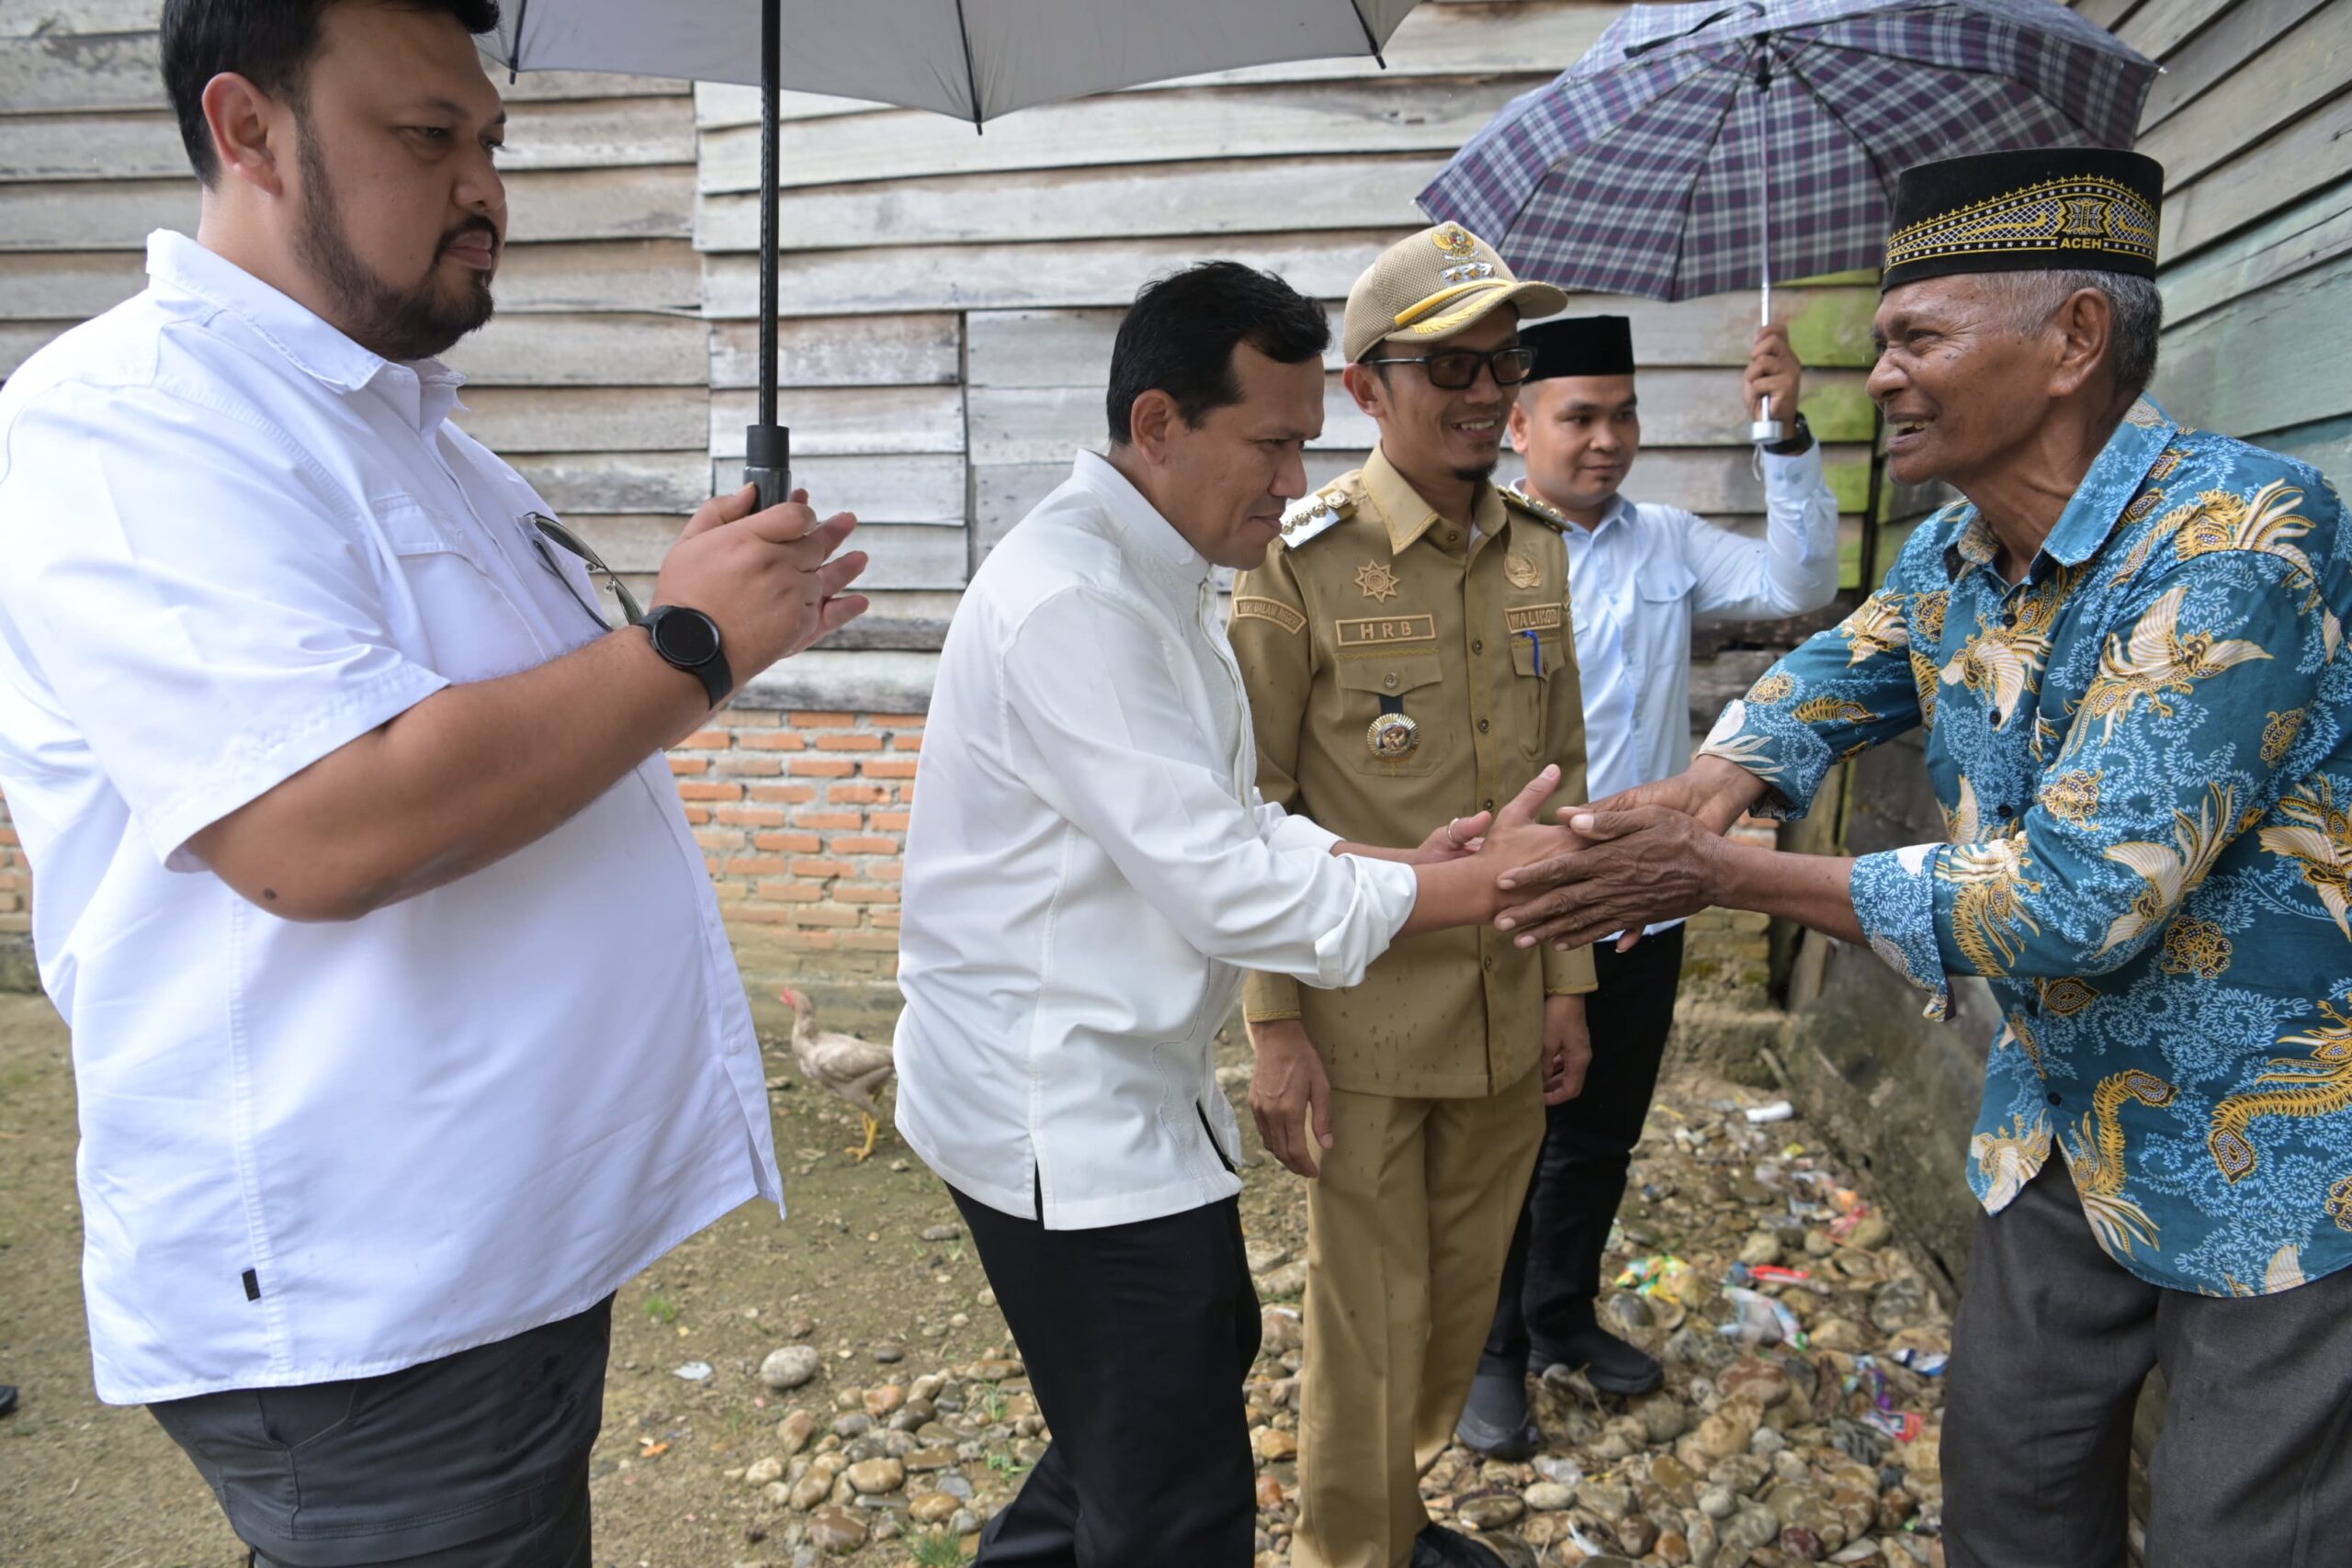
(1460, 251)
(1393, 736)
(1521, 572)
(1379, 583)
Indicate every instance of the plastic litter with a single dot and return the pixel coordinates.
(1761, 1320)
(1660, 1274)
(1901, 1424)
(1927, 1364)
(1777, 1110)
(693, 1371)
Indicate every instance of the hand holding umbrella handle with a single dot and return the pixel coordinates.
(767, 462)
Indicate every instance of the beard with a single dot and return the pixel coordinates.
(1477, 473)
(396, 324)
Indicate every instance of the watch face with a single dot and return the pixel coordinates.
(686, 637)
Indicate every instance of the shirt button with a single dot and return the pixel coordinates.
(1489, 806)
(1452, 537)
(1389, 680)
(1994, 714)
(2009, 619)
(1482, 726)
(2056, 1099)
(1490, 964)
(1477, 645)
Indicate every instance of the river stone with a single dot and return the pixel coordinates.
(836, 1530)
(1636, 1534)
(1899, 1304)
(761, 1471)
(1490, 1513)
(795, 1430)
(1761, 1249)
(790, 1367)
(873, 1477)
(1608, 1501)
(1664, 1418)
(1754, 1379)
(1718, 1502)
(1549, 1497)
(933, 1508)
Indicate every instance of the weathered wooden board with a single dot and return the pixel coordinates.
(1430, 115)
(2314, 151)
(617, 481)
(2105, 13)
(545, 86)
(111, 145)
(1713, 482)
(897, 620)
(922, 349)
(841, 421)
(1830, 327)
(600, 204)
(2160, 26)
(20, 339)
(1052, 275)
(903, 555)
(586, 419)
(1680, 408)
(52, 72)
(606, 274)
(94, 215)
(1251, 196)
(2268, 361)
(2305, 235)
(2301, 69)
(54, 287)
(585, 350)
(887, 488)
(1434, 40)
(2327, 446)
(2238, 31)
(23, 18)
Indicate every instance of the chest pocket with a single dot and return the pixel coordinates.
(1408, 684)
(449, 605)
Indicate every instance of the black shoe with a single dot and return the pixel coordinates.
(1436, 1547)
(8, 1399)
(1495, 1421)
(1608, 1362)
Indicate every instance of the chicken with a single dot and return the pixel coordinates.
(852, 1068)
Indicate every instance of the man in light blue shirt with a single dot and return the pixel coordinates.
(1641, 574)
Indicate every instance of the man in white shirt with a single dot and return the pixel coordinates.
(1089, 869)
(404, 1026)
(1642, 575)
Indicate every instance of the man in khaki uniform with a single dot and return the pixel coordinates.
(1408, 656)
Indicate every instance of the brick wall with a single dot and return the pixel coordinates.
(15, 881)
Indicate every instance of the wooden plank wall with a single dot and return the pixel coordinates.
(2253, 121)
(593, 378)
(950, 298)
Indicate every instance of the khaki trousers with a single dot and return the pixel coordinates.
(1408, 1228)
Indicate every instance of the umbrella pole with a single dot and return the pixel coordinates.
(1766, 431)
(767, 445)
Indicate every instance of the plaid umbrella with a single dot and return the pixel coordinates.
(1702, 148)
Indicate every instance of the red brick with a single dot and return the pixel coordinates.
(849, 743)
(887, 870)
(774, 740)
(738, 763)
(823, 720)
(753, 815)
(682, 767)
(867, 846)
(718, 838)
(710, 791)
(757, 916)
(788, 843)
(823, 767)
(858, 794)
(870, 942)
(886, 919)
(789, 795)
(823, 868)
(829, 822)
(697, 814)
(707, 740)
(779, 891)
(895, 720)
(755, 865)
(906, 743)
(888, 768)
(863, 893)
(753, 718)
(888, 821)
(824, 915)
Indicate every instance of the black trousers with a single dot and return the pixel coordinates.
(1554, 1270)
(2053, 1342)
(1136, 1338)
(478, 1460)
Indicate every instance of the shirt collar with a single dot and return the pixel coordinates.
(2115, 478)
(1409, 516)
(422, 391)
(1141, 532)
(1618, 511)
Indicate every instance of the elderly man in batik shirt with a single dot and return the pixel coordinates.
(2125, 647)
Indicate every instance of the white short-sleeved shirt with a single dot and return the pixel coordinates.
(1089, 869)
(232, 540)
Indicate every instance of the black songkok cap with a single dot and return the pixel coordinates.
(2044, 210)
(1580, 345)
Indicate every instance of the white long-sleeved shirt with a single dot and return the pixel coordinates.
(1089, 869)
(1646, 574)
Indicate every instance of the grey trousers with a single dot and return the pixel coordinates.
(478, 1460)
(2052, 1344)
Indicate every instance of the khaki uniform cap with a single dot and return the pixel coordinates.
(1433, 284)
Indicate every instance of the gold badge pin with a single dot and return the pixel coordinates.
(1377, 581)
(1393, 736)
(1521, 572)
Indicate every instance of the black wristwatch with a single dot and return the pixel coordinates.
(688, 639)
(1797, 444)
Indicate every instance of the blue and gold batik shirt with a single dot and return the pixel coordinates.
(2144, 753)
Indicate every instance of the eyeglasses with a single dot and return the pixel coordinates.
(546, 528)
(1456, 369)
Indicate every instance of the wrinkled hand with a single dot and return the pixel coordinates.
(770, 580)
(1456, 840)
(1289, 1093)
(1773, 372)
(1515, 839)
(1640, 865)
(1567, 1048)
